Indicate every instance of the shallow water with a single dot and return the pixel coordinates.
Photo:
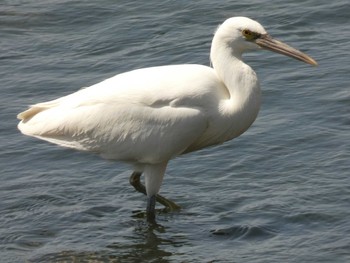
(278, 193)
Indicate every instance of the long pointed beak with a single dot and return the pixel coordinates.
(267, 42)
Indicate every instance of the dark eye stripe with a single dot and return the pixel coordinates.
(250, 35)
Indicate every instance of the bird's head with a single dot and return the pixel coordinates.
(243, 34)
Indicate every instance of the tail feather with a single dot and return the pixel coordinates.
(35, 109)
(32, 111)
(50, 122)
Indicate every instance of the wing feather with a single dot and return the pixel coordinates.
(139, 116)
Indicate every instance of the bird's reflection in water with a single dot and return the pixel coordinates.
(148, 245)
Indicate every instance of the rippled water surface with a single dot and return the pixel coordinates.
(278, 193)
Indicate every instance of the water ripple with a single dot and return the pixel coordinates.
(245, 232)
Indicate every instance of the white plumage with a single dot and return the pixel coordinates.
(148, 116)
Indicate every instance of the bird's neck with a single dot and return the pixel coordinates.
(243, 103)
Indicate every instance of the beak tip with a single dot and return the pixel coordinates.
(312, 62)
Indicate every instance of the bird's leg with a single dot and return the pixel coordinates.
(136, 183)
(151, 215)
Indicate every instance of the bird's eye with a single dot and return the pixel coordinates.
(249, 35)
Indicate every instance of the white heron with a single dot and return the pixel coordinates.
(147, 117)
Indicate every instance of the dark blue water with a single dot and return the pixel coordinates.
(278, 193)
